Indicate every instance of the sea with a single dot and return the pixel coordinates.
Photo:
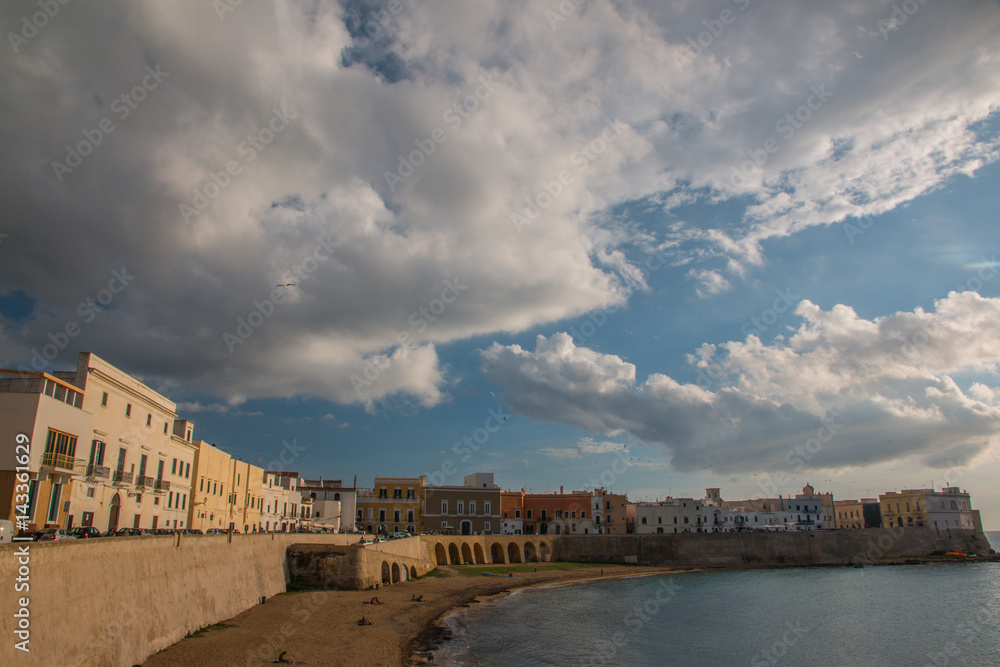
(933, 615)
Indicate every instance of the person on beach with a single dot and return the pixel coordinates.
(364, 621)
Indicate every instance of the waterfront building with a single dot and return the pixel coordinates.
(512, 510)
(49, 412)
(805, 511)
(138, 470)
(272, 497)
(470, 509)
(671, 515)
(858, 514)
(556, 513)
(333, 504)
(949, 508)
(291, 506)
(392, 505)
(610, 512)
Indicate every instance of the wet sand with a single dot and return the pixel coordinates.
(320, 627)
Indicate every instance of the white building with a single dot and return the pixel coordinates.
(951, 508)
(333, 504)
(672, 515)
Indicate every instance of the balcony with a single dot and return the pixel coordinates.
(58, 461)
(98, 472)
(144, 481)
(162, 486)
(121, 478)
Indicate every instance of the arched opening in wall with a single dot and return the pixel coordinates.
(404, 574)
(543, 552)
(899, 522)
(496, 553)
(466, 554)
(386, 574)
(467, 528)
(395, 573)
(413, 572)
(369, 529)
(478, 551)
(513, 553)
(529, 553)
(116, 502)
(440, 557)
(453, 556)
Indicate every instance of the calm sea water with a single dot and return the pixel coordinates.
(933, 615)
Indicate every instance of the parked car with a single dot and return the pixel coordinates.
(128, 532)
(215, 531)
(83, 532)
(192, 531)
(53, 534)
(163, 531)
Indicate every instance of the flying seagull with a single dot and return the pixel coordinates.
(285, 285)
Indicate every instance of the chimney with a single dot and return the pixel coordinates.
(560, 489)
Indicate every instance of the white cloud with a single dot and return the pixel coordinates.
(608, 110)
(840, 391)
(585, 447)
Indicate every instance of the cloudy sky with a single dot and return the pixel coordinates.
(656, 245)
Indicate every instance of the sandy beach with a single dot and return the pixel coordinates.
(321, 627)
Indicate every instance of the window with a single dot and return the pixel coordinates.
(517, 514)
(170, 500)
(472, 507)
(409, 515)
(173, 468)
(88, 519)
(574, 514)
(643, 519)
(164, 428)
(383, 493)
(558, 514)
(104, 400)
(159, 472)
(142, 466)
(528, 515)
(583, 514)
(461, 507)
(686, 520)
(149, 420)
(487, 508)
(397, 493)
(381, 515)
(486, 526)
(410, 495)
(128, 409)
(90, 492)
(659, 519)
(184, 503)
(395, 515)
(96, 453)
(187, 470)
(201, 484)
(156, 500)
(444, 507)
(60, 448)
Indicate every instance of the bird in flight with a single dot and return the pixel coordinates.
(285, 285)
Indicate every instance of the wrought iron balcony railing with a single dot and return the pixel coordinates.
(100, 472)
(121, 477)
(144, 481)
(162, 485)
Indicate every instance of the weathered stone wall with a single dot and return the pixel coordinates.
(115, 601)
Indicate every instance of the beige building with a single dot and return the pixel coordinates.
(227, 494)
(672, 515)
(949, 508)
(470, 509)
(611, 513)
(392, 505)
(45, 429)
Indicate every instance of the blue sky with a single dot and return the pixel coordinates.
(759, 261)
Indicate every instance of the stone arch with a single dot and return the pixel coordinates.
(440, 556)
(453, 556)
(466, 553)
(496, 553)
(530, 555)
(386, 574)
(478, 553)
(544, 554)
(513, 553)
(404, 574)
(413, 572)
(369, 529)
(395, 573)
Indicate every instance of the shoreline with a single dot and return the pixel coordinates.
(319, 627)
(436, 631)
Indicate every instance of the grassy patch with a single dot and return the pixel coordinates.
(217, 626)
(477, 570)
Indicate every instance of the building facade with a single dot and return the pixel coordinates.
(392, 505)
(470, 509)
(671, 515)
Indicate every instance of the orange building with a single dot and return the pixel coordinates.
(512, 512)
(557, 513)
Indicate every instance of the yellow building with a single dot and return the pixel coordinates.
(391, 506)
(226, 492)
(905, 508)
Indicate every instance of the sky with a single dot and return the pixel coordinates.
(651, 246)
